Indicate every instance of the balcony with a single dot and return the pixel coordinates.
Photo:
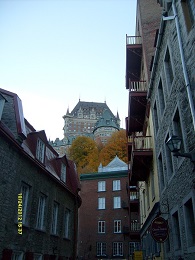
(133, 58)
(134, 226)
(134, 196)
(141, 157)
(137, 106)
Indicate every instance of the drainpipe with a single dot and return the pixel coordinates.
(187, 82)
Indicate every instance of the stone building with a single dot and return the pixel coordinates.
(86, 119)
(171, 95)
(39, 197)
(103, 216)
(168, 99)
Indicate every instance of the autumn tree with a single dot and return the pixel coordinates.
(84, 153)
(116, 145)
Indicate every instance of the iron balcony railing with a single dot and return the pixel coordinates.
(134, 226)
(142, 143)
(133, 40)
(134, 195)
(137, 85)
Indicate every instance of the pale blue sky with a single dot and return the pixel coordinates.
(53, 52)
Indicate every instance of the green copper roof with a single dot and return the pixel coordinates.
(103, 175)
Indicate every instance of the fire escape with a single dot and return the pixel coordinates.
(139, 145)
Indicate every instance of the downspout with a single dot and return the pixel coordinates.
(186, 78)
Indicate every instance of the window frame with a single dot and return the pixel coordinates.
(66, 232)
(40, 150)
(25, 202)
(117, 202)
(117, 226)
(101, 227)
(188, 229)
(116, 185)
(117, 249)
(40, 223)
(101, 186)
(102, 203)
(101, 249)
(63, 172)
(54, 223)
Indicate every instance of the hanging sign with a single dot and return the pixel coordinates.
(159, 229)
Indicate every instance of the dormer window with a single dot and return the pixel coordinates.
(2, 103)
(63, 172)
(40, 152)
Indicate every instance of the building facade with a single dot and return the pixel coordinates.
(103, 216)
(171, 94)
(39, 198)
(161, 108)
(143, 175)
(91, 119)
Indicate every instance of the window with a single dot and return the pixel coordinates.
(177, 126)
(117, 226)
(40, 150)
(101, 186)
(63, 172)
(66, 223)
(117, 202)
(54, 218)
(17, 255)
(161, 172)
(161, 97)
(101, 249)
(116, 185)
(101, 203)
(188, 7)
(117, 249)
(190, 222)
(41, 212)
(176, 231)
(25, 194)
(155, 117)
(101, 226)
(148, 194)
(152, 184)
(169, 158)
(168, 68)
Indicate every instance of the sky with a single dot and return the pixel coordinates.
(55, 52)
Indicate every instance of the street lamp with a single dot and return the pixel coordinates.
(174, 145)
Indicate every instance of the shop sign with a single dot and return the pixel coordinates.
(159, 229)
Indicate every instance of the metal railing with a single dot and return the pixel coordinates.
(134, 195)
(142, 143)
(133, 40)
(137, 85)
(134, 226)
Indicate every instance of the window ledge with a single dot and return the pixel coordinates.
(40, 230)
(66, 238)
(54, 235)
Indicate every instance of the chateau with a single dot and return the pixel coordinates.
(91, 119)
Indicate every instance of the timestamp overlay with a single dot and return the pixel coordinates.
(20, 213)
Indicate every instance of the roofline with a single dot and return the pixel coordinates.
(3, 130)
(103, 175)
